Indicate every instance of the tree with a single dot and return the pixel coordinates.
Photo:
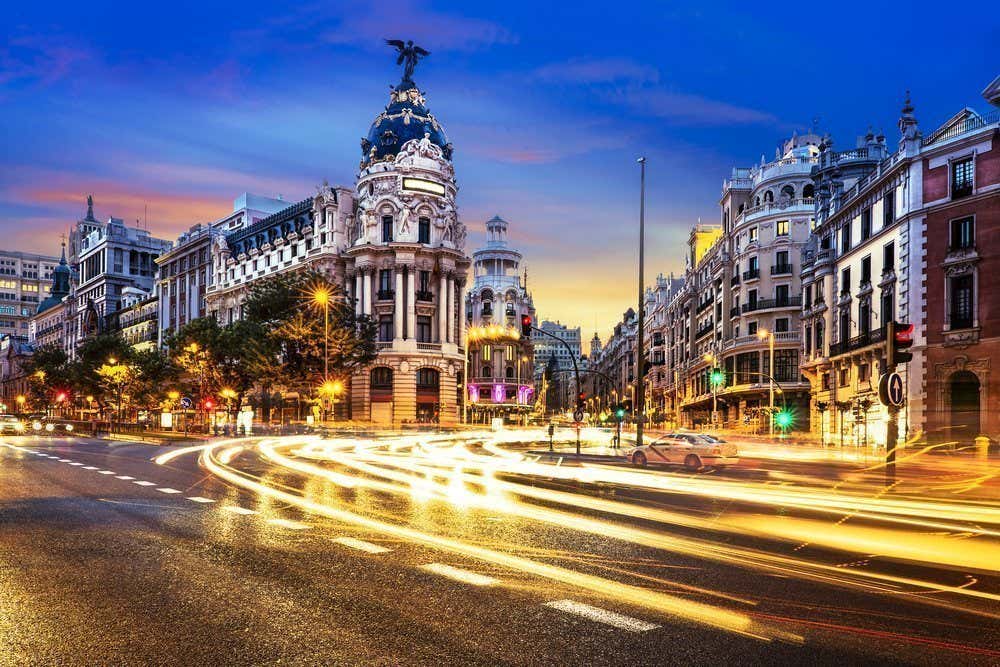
(45, 368)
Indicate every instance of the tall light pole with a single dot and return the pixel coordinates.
(764, 333)
(321, 297)
(640, 395)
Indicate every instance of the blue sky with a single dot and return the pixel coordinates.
(179, 108)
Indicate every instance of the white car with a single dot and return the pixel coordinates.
(691, 450)
(11, 424)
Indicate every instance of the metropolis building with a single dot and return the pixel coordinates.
(501, 362)
(395, 244)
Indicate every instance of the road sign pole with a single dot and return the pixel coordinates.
(891, 436)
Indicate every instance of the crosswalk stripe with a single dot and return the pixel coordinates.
(167, 489)
(458, 574)
(106, 472)
(361, 545)
(200, 499)
(287, 523)
(611, 618)
(235, 509)
(142, 483)
(90, 467)
(125, 477)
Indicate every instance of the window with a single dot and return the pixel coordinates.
(752, 299)
(424, 230)
(888, 257)
(961, 302)
(781, 325)
(781, 228)
(819, 337)
(845, 377)
(423, 328)
(786, 365)
(864, 373)
(424, 281)
(809, 295)
(428, 378)
(753, 235)
(866, 270)
(887, 304)
(119, 260)
(781, 258)
(754, 265)
(864, 316)
(808, 339)
(961, 178)
(752, 329)
(509, 373)
(845, 281)
(381, 379)
(781, 295)
(385, 329)
(826, 381)
(384, 282)
(866, 223)
(825, 243)
(845, 238)
(487, 372)
(889, 208)
(386, 228)
(963, 234)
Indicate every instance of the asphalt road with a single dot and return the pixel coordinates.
(107, 558)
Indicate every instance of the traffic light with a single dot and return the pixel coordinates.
(716, 377)
(209, 404)
(620, 412)
(525, 326)
(898, 339)
(580, 398)
(784, 419)
(61, 397)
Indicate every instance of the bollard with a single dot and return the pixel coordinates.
(982, 447)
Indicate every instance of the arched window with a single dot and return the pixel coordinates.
(510, 372)
(381, 379)
(756, 200)
(788, 192)
(487, 372)
(424, 230)
(807, 191)
(428, 378)
(768, 197)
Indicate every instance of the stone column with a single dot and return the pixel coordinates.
(450, 314)
(411, 302)
(359, 295)
(459, 288)
(367, 291)
(444, 299)
(398, 314)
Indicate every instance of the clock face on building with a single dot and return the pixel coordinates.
(422, 185)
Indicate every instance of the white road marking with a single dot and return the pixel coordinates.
(166, 489)
(106, 472)
(458, 574)
(239, 510)
(74, 463)
(125, 477)
(64, 461)
(287, 523)
(90, 467)
(200, 499)
(142, 483)
(361, 545)
(619, 621)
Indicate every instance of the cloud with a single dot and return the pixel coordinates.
(597, 70)
(688, 109)
(31, 59)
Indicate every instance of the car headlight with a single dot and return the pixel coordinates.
(50, 427)
(69, 427)
(36, 425)
(19, 426)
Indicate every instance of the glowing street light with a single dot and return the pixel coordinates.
(764, 334)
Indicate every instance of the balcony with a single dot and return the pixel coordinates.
(864, 340)
(708, 328)
(734, 311)
(781, 269)
(735, 280)
(765, 304)
(385, 295)
(752, 274)
(425, 295)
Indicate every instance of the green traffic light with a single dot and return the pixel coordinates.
(783, 419)
(717, 377)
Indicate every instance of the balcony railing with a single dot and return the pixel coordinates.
(864, 340)
(781, 269)
(751, 274)
(425, 295)
(386, 294)
(705, 330)
(764, 304)
(735, 280)
(734, 311)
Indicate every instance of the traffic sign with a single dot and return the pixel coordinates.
(890, 390)
(186, 403)
(578, 415)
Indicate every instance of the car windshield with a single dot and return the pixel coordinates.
(712, 439)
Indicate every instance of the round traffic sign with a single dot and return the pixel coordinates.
(186, 402)
(578, 415)
(890, 390)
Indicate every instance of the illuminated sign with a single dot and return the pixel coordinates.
(421, 185)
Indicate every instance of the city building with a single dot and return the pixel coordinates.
(137, 319)
(47, 325)
(395, 243)
(545, 348)
(500, 361)
(612, 366)
(108, 259)
(184, 272)
(13, 382)
(24, 279)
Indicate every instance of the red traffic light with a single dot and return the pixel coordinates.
(904, 333)
(61, 396)
(209, 404)
(526, 326)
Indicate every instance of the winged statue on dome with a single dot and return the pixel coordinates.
(409, 54)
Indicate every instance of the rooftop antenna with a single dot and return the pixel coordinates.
(145, 215)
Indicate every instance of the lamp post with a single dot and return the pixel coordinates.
(769, 335)
(321, 298)
(20, 403)
(640, 395)
(714, 381)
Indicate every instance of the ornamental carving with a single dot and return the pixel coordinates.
(961, 269)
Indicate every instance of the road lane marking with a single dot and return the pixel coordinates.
(142, 483)
(125, 477)
(64, 461)
(619, 621)
(200, 499)
(361, 545)
(74, 463)
(90, 467)
(106, 472)
(458, 574)
(166, 489)
(239, 510)
(287, 523)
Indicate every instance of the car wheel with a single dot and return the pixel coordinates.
(639, 460)
(692, 462)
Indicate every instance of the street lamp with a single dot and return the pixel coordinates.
(640, 397)
(769, 336)
(332, 388)
(715, 378)
(20, 403)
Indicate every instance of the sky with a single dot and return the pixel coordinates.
(168, 111)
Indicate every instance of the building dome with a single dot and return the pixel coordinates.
(60, 285)
(405, 118)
